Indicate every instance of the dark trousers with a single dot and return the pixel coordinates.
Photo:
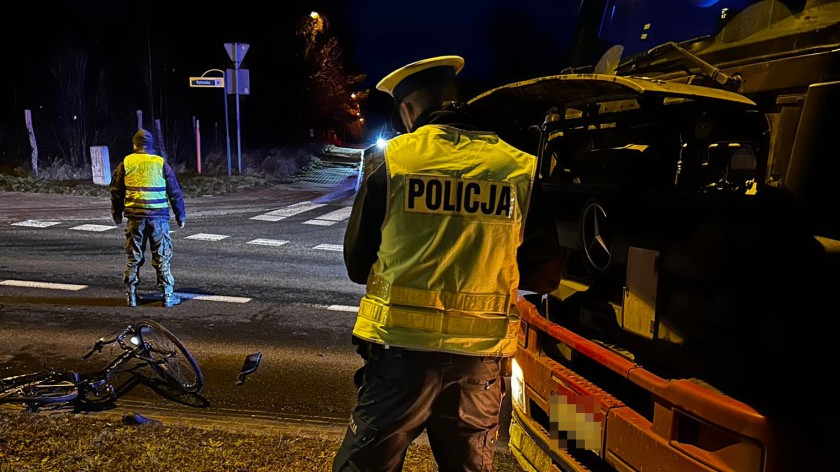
(139, 231)
(455, 398)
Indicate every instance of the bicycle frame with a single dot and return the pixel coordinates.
(55, 386)
(95, 381)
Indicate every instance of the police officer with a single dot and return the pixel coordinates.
(433, 234)
(143, 188)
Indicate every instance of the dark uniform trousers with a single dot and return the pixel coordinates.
(456, 398)
(138, 231)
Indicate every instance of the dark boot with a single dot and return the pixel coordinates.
(131, 295)
(169, 298)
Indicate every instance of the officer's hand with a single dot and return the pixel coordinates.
(181, 224)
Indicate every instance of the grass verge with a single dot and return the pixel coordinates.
(66, 441)
(66, 180)
(192, 185)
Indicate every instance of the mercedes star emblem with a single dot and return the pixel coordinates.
(596, 237)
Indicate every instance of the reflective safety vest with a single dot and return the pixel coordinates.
(446, 278)
(145, 185)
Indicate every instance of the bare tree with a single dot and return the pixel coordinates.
(335, 104)
(156, 96)
(70, 71)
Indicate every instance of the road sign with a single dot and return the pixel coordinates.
(242, 81)
(210, 82)
(236, 52)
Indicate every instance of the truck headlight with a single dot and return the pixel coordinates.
(517, 385)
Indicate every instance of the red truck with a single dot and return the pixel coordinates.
(692, 186)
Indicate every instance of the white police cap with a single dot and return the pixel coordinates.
(411, 77)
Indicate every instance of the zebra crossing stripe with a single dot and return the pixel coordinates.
(267, 242)
(331, 218)
(36, 223)
(49, 285)
(98, 228)
(320, 222)
(207, 237)
(287, 211)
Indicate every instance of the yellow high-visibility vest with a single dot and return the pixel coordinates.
(446, 278)
(145, 186)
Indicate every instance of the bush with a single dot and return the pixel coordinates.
(261, 167)
(278, 162)
(58, 169)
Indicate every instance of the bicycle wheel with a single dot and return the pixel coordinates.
(40, 388)
(173, 361)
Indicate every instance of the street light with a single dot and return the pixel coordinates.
(317, 24)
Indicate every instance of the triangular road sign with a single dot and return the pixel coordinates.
(236, 52)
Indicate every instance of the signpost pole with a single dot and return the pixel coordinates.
(236, 52)
(227, 127)
(213, 82)
(198, 145)
(236, 61)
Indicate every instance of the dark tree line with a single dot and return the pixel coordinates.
(97, 64)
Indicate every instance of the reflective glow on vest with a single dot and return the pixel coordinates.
(145, 186)
(446, 278)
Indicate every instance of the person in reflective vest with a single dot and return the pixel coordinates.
(144, 187)
(434, 234)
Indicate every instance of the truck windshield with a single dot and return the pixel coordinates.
(638, 25)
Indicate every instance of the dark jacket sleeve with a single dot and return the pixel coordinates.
(117, 191)
(173, 192)
(541, 258)
(363, 235)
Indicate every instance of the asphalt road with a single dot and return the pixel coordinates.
(259, 271)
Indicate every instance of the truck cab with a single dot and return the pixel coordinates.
(690, 184)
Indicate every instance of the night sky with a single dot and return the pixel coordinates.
(500, 40)
(130, 48)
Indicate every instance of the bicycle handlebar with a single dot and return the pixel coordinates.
(96, 348)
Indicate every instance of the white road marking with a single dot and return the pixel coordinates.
(288, 211)
(267, 242)
(268, 217)
(212, 298)
(93, 228)
(343, 308)
(49, 285)
(36, 223)
(320, 222)
(330, 247)
(207, 237)
(318, 306)
(332, 217)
